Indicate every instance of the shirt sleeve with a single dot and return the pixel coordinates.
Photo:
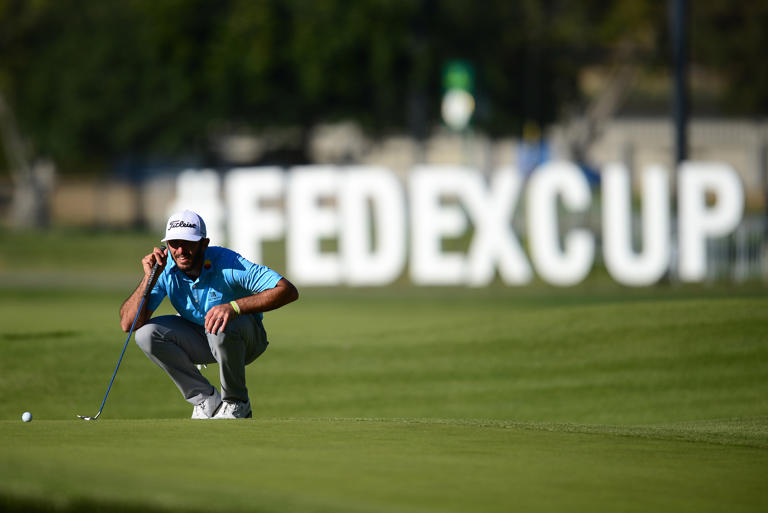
(254, 278)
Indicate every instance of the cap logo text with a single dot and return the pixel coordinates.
(181, 224)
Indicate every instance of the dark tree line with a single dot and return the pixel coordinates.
(89, 82)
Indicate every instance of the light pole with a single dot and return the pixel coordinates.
(678, 26)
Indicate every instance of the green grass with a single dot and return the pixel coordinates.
(377, 465)
(598, 398)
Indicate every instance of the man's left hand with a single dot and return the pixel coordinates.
(217, 318)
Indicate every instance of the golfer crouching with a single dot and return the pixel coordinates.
(220, 297)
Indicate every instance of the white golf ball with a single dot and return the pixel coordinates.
(26, 417)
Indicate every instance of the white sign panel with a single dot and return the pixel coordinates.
(362, 226)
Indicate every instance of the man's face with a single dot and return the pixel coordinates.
(188, 255)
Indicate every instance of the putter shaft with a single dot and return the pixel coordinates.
(125, 346)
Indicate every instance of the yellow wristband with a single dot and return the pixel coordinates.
(234, 305)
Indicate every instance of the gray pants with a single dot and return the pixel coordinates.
(176, 345)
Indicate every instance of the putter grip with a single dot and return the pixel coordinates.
(152, 277)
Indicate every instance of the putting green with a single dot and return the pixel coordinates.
(384, 465)
(597, 398)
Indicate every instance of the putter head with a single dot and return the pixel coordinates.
(84, 417)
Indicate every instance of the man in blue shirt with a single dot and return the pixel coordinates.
(220, 297)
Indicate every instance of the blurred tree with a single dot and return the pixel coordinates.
(92, 82)
(728, 38)
(32, 178)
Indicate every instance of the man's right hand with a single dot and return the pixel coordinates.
(158, 255)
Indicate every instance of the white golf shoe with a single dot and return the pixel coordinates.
(234, 410)
(206, 408)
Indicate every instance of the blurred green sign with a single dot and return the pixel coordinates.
(458, 75)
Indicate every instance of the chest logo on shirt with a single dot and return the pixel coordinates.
(207, 264)
(214, 296)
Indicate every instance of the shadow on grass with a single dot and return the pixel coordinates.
(11, 504)
(12, 337)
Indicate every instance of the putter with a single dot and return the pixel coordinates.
(130, 332)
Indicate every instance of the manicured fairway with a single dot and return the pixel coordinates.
(400, 399)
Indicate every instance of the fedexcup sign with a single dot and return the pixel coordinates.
(381, 226)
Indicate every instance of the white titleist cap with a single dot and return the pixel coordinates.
(185, 225)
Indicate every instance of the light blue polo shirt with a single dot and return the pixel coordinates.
(225, 276)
